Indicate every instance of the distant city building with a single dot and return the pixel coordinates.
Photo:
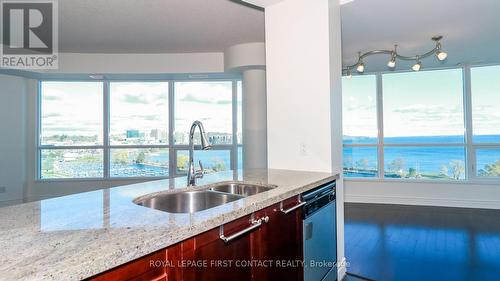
(154, 134)
(132, 134)
(220, 138)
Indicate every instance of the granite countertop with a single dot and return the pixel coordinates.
(77, 236)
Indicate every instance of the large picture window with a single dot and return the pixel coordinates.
(431, 125)
(360, 126)
(134, 129)
(485, 103)
(424, 125)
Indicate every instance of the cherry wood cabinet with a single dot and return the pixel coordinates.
(137, 270)
(280, 240)
(272, 251)
(206, 257)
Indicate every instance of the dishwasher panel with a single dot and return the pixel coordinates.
(320, 249)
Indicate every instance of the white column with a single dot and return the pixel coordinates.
(254, 119)
(304, 102)
(250, 60)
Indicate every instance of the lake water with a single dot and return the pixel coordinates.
(430, 160)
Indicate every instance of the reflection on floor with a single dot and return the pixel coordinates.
(352, 278)
(396, 242)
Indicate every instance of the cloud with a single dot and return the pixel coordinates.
(49, 115)
(147, 117)
(135, 99)
(194, 98)
(51, 98)
(68, 129)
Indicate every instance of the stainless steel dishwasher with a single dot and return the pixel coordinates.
(320, 236)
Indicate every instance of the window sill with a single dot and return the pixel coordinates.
(423, 181)
(100, 179)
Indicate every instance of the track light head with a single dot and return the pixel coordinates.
(349, 74)
(441, 55)
(361, 67)
(417, 66)
(392, 61)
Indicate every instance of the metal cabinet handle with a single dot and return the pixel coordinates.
(292, 208)
(255, 224)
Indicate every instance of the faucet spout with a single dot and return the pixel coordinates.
(205, 145)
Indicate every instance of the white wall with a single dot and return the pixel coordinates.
(76, 63)
(304, 103)
(336, 124)
(298, 85)
(12, 138)
(469, 195)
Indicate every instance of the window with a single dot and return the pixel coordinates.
(359, 109)
(138, 113)
(422, 109)
(71, 126)
(429, 125)
(485, 100)
(134, 162)
(213, 160)
(360, 126)
(209, 102)
(130, 129)
(360, 162)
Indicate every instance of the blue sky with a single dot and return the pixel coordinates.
(426, 103)
(76, 108)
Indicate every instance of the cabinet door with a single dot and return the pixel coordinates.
(148, 268)
(216, 259)
(280, 241)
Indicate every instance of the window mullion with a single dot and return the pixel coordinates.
(171, 121)
(106, 124)
(380, 125)
(38, 172)
(470, 153)
(234, 146)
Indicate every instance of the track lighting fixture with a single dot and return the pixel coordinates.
(394, 55)
(417, 65)
(360, 65)
(392, 61)
(440, 54)
(349, 73)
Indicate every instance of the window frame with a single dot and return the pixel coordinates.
(106, 147)
(469, 146)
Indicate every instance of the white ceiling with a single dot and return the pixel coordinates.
(156, 26)
(471, 30)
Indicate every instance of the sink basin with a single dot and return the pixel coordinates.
(243, 189)
(187, 202)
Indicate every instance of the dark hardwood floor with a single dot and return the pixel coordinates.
(406, 243)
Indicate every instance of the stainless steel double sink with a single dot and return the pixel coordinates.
(198, 200)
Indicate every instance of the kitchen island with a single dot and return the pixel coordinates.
(79, 236)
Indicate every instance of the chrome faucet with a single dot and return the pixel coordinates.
(205, 144)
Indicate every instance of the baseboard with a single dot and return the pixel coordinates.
(341, 269)
(424, 201)
(4, 203)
